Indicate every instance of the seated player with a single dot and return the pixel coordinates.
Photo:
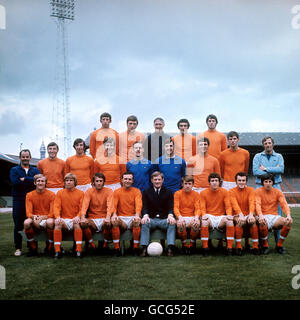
(267, 199)
(242, 200)
(216, 212)
(67, 212)
(127, 213)
(110, 165)
(187, 212)
(97, 208)
(39, 212)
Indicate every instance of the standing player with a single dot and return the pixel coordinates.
(154, 143)
(39, 212)
(98, 136)
(201, 165)
(187, 212)
(185, 143)
(242, 200)
(21, 178)
(128, 138)
(141, 167)
(80, 165)
(53, 168)
(67, 213)
(127, 213)
(217, 139)
(97, 208)
(233, 160)
(216, 212)
(172, 166)
(269, 161)
(110, 165)
(267, 200)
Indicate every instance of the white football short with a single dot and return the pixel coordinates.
(114, 186)
(84, 187)
(127, 220)
(228, 185)
(43, 223)
(271, 219)
(215, 220)
(198, 189)
(55, 190)
(98, 223)
(68, 223)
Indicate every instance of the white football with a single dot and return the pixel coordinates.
(154, 249)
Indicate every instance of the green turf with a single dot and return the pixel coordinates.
(179, 277)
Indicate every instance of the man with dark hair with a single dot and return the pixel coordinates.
(98, 136)
(81, 165)
(185, 143)
(53, 168)
(22, 179)
(233, 160)
(158, 213)
(128, 138)
(267, 199)
(217, 139)
(154, 143)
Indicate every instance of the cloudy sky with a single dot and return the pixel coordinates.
(176, 59)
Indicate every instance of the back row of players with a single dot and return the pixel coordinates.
(182, 162)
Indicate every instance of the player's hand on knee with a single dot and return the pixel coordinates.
(171, 219)
(76, 220)
(145, 219)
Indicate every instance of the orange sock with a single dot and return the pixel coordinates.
(263, 234)
(88, 235)
(283, 234)
(194, 235)
(116, 237)
(136, 233)
(78, 239)
(182, 235)
(254, 235)
(229, 236)
(204, 236)
(57, 237)
(238, 237)
(30, 237)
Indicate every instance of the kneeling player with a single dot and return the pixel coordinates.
(187, 212)
(242, 200)
(67, 211)
(216, 212)
(39, 212)
(128, 207)
(97, 208)
(267, 201)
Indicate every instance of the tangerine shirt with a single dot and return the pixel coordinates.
(267, 201)
(128, 202)
(242, 200)
(68, 203)
(97, 204)
(201, 168)
(82, 167)
(53, 169)
(126, 141)
(215, 202)
(185, 145)
(217, 142)
(232, 162)
(186, 204)
(40, 203)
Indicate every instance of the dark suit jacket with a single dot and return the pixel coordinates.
(157, 206)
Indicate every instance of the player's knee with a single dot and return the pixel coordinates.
(27, 224)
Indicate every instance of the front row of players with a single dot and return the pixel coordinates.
(240, 210)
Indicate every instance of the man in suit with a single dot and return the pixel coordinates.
(157, 213)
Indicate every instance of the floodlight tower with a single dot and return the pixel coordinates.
(62, 11)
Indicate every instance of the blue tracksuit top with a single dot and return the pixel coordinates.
(21, 188)
(274, 165)
(173, 170)
(142, 170)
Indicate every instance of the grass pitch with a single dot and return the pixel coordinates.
(135, 278)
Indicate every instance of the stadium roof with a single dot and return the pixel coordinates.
(15, 159)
